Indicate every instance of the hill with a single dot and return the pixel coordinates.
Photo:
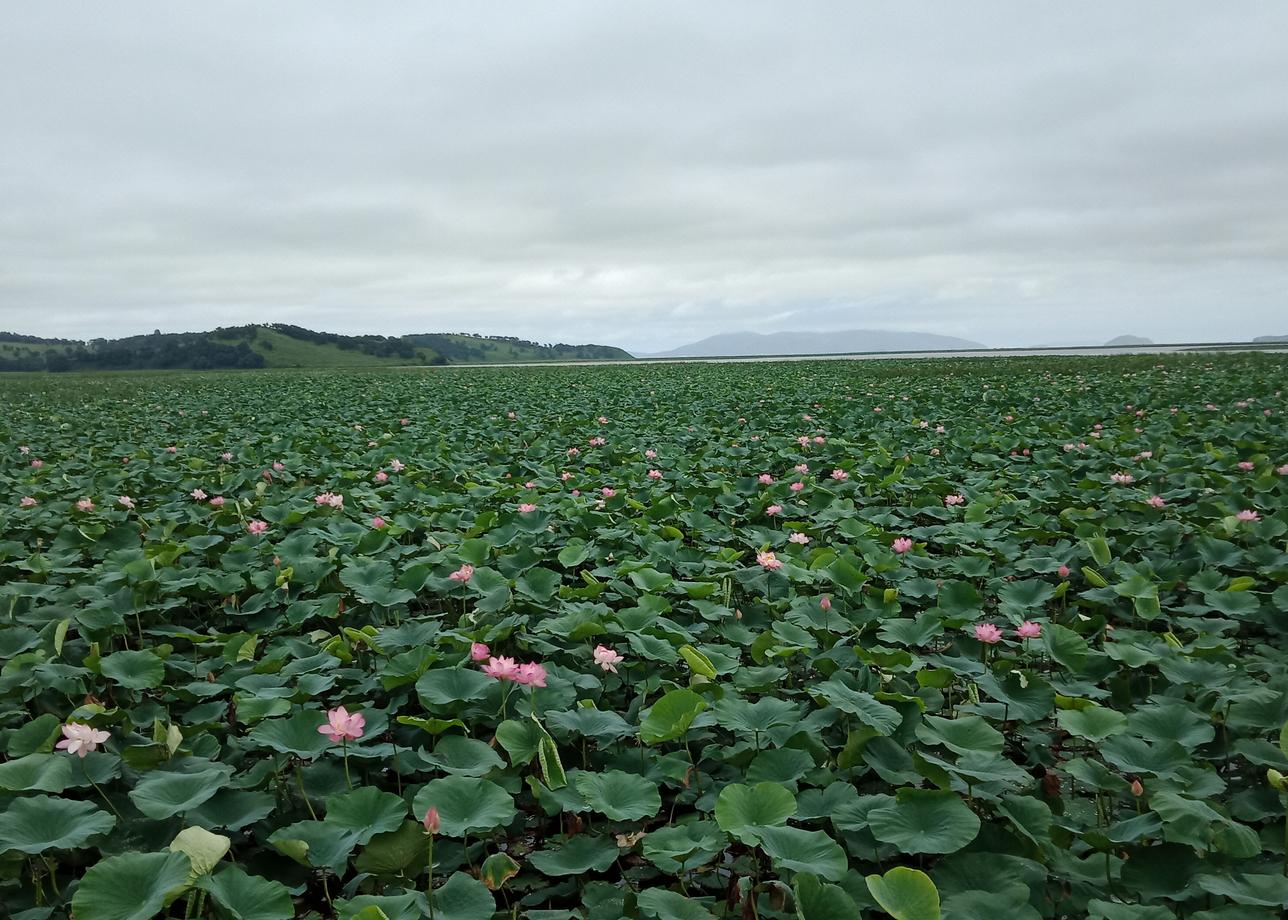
(279, 345)
(851, 341)
(1128, 340)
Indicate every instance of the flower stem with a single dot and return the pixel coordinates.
(299, 779)
(345, 745)
(429, 887)
(98, 789)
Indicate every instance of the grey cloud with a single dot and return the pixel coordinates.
(647, 174)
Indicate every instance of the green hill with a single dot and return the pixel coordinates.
(280, 345)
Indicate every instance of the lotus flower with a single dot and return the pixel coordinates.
(987, 633)
(607, 658)
(80, 739)
(901, 545)
(1029, 630)
(463, 574)
(531, 674)
(769, 561)
(501, 668)
(342, 724)
(479, 652)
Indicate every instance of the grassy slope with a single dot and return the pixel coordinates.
(290, 352)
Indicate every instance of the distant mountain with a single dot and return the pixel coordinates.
(1128, 340)
(1268, 339)
(850, 341)
(279, 345)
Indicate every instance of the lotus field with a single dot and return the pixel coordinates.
(819, 640)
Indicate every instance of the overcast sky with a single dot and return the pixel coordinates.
(645, 174)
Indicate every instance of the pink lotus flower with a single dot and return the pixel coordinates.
(80, 739)
(1248, 514)
(1282, 470)
(341, 724)
(901, 545)
(1137, 789)
(1156, 501)
(773, 510)
(279, 466)
(527, 507)
(27, 502)
(24, 450)
(954, 500)
(819, 439)
(797, 486)
(825, 603)
(501, 668)
(650, 454)
(531, 674)
(125, 501)
(576, 493)
(572, 452)
(769, 561)
(267, 474)
(840, 475)
(217, 501)
(463, 574)
(596, 442)
(381, 476)
(801, 468)
(1123, 478)
(923, 424)
(654, 474)
(607, 492)
(987, 633)
(765, 479)
(257, 527)
(37, 464)
(1246, 465)
(934, 451)
(397, 465)
(378, 522)
(799, 538)
(565, 476)
(607, 658)
(198, 495)
(530, 484)
(803, 440)
(226, 456)
(1029, 630)
(333, 499)
(432, 822)
(172, 449)
(603, 420)
(85, 504)
(939, 429)
(479, 652)
(1063, 571)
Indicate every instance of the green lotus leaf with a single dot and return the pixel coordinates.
(248, 897)
(575, 856)
(131, 886)
(618, 795)
(42, 822)
(670, 717)
(925, 821)
(465, 805)
(662, 904)
(905, 894)
(804, 851)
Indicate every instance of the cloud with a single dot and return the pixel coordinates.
(645, 175)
